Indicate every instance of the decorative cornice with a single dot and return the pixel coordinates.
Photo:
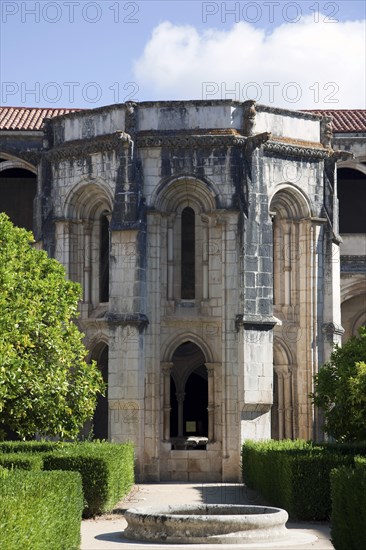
(80, 148)
(290, 150)
(138, 320)
(353, 264)
(255, 322)
(342, 155)
(191, 141)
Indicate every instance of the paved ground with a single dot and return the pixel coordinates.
(106, 533)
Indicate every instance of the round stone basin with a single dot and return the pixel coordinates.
(206, 523)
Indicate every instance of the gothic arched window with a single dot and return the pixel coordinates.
(104, 259)
(188, 251)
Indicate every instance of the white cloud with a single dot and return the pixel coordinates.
(325, 62)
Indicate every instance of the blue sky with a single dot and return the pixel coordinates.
(76, 53)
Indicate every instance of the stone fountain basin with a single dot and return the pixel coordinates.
(206, 523)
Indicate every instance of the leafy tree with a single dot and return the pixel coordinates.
(46, 386)
(340, 390)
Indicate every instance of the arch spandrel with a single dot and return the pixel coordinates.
(177, 340)
(281, 353)
(88, 199)
(15, 162)
(291, 202)
(187, 190)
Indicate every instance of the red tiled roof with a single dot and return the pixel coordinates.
(23, 118)
(345, 120)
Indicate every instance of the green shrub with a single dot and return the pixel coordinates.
(107, 471)
(348, 490)
(40, 510)
(357, 448)
(294, 475)
(309, 483)
(23, 461)
(31, 446)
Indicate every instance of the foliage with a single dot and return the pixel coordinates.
(45, 384)
(294, 475)
(340, 390)
(107, 471)
(22, 461)
(32, 446)
(40, 510)
(348, 489)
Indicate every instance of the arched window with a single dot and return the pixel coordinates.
(104, 259)
(188, 252)
(17, 192)
(87, 238)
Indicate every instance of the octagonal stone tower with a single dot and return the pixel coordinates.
(204, 235)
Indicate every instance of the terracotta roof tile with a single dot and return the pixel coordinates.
(23, 118)
(345, 120)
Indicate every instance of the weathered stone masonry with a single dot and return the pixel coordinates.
(204, 234)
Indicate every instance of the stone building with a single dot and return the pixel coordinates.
(213, 261)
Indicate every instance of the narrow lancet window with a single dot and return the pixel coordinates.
(104, 259)
(188, 264)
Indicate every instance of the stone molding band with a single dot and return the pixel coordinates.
(138, 320)
(80, 148)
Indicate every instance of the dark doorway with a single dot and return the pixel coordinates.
(195, 415)
(188, 394)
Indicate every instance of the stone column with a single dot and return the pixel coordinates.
(279, 374)
(285, 424)
(87, 268)
(287, 262)
(166, 369)
(62, 231)
(211, 402)
(180, 398)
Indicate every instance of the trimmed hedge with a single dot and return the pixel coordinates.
(354, 449)
(348, 522)
(23, 461)
(107, 471)
(294, 475)
(40, 510)
(31, 446)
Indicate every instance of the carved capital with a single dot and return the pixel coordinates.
(138, 320)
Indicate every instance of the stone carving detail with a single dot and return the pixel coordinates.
(326, 132)
(131, 118)
(191, 141)
(87, 129)
(253, 142)
(249, 118)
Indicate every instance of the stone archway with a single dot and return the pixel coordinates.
(188, 395)
(18, 188)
